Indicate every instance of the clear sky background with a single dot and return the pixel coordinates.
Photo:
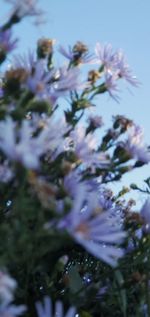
(125, 24)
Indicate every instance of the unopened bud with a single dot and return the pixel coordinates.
(14, 78)
(80, 47)
(133, 186)
(45, 47)
(40, 106)
(66, 167)
(136, 276)
(93, 76)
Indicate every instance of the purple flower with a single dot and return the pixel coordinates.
(134, 145)
(111, 86)
(84, 147)
(73, 184)
(98, 231)
(75, 187)
(105, 56)
(18, 144)
(115, 63)
(72, 55)
(45, 310)
(37, 81)
(65, 80)
(26, 151)
(44, 84)
(51, 139)
(123, 70)
(114, 66)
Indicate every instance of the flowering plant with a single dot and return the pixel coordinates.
(66, 237)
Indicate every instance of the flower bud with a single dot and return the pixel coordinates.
(40, 106)
(79, 49)
(93, 76)
(13, 80)
(45, 47)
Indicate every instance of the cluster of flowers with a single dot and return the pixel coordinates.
(33, 138)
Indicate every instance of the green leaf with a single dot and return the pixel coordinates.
(75, 281)
(84, 313)
(122, 292)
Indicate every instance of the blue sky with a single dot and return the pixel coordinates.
(125, 24)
